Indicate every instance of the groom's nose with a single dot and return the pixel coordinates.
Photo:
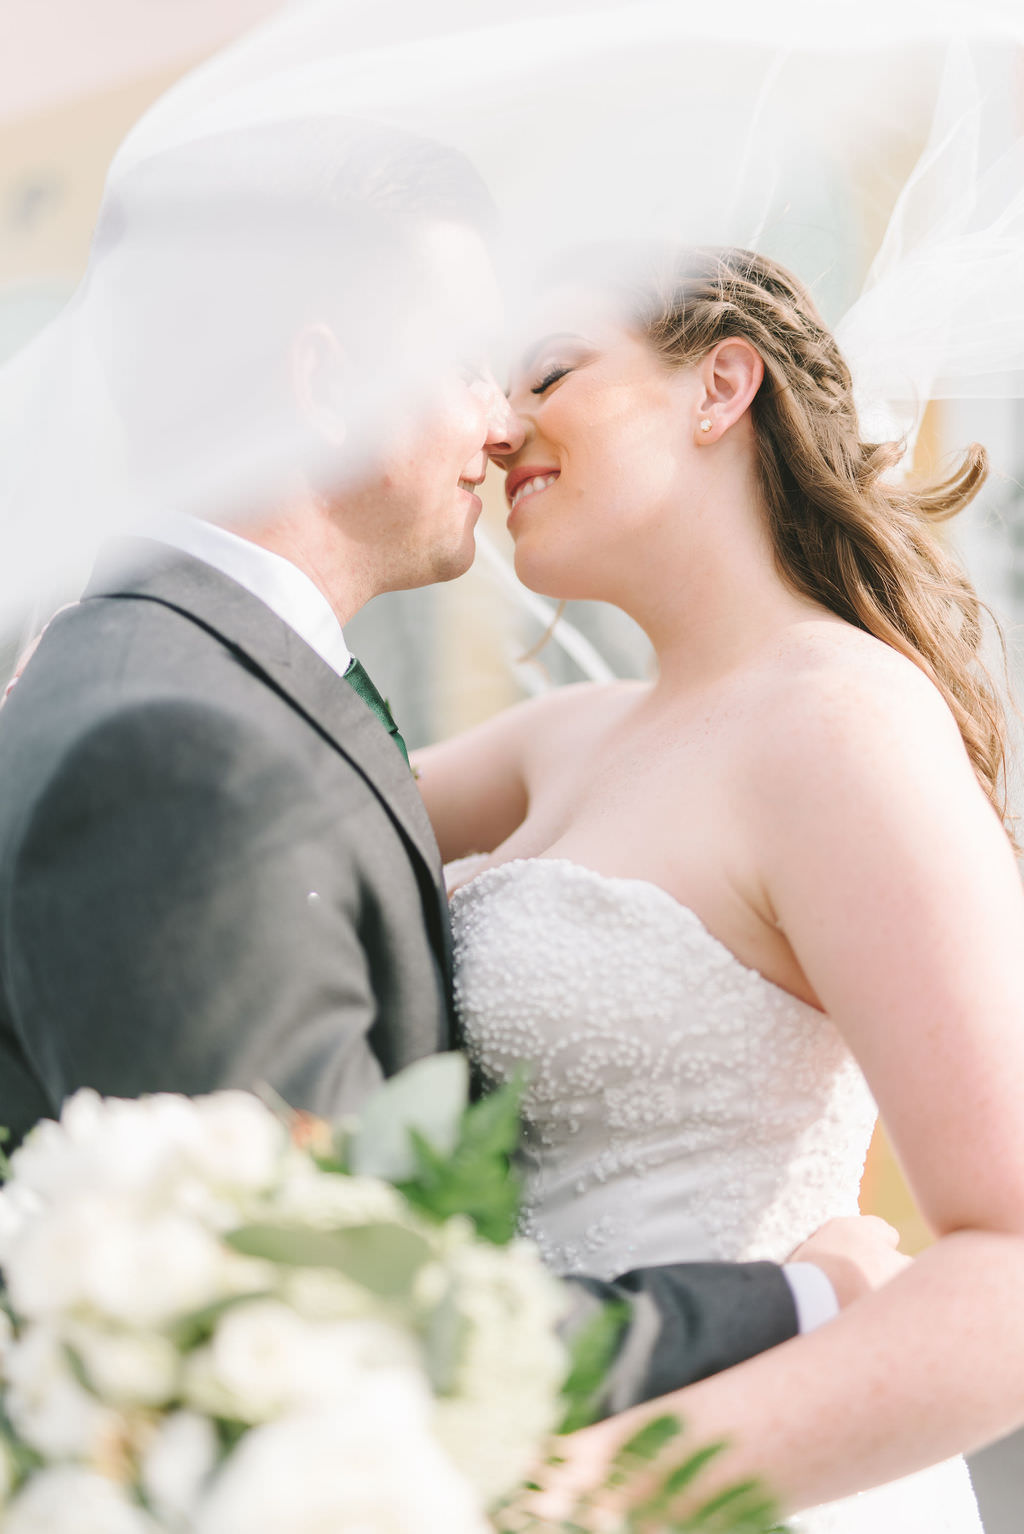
(504, 429)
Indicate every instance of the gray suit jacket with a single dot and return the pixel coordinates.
(215, 870)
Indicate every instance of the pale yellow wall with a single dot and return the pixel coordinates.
(52, 169)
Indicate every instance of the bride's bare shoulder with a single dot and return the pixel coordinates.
(831, 694)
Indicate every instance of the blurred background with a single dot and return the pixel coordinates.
(74, 78)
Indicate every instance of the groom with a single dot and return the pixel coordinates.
(215, 868)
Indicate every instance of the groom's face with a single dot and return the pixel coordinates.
(416, 510)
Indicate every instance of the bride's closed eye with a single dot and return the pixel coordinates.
(550, 376)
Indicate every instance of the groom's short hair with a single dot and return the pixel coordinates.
(214, 253)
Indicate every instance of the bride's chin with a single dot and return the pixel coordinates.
(541, 576)
(542, 588)
(555, 589)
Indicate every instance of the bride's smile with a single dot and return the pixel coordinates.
(524, 481)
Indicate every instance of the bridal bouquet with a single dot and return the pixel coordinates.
(221, 1318)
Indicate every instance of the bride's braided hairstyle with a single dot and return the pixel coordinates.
(845, 535)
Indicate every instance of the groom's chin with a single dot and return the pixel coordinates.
(442, 564)
(454, 561)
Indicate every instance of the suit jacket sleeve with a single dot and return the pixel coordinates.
(685, 1321)
(209, 924)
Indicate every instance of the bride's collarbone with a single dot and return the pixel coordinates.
(674, 824)
(641, 798)
(634, 796)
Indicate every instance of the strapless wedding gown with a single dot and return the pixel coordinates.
(681, 1106)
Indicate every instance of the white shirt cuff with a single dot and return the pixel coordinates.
(813, 1295)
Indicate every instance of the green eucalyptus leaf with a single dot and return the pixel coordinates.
(681, 1476)
(740, 1509)
(23, 1460)
(444, 1341)
(655, 1507)
(648, 1443)
(76, 1364)
(592, 1351)
(757, 1519)
(383, 1258)
(196, 1326)
(475, 1179)
(491, 1126)
(487, 1192)
(429, 1097)
(230, 1432)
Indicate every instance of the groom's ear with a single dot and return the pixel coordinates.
(319, 375)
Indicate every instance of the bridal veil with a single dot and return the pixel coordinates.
(876, 148)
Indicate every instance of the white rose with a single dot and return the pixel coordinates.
(145, 1272)
(115, 1145)
(264, 1360)
(345, 1348)
(46, 1270)
(249, 1275)
(506, 1397)
(19, 1207)
(44, 1161)
(323, 1294)
(496, 1443)
(203, 1391)
(258, 1357)
(128, 1368)
(69, 1500)
(514, 1305)
(371, 1466)
(47, 1405)
(176, 1464)
(198, 1200)
(240, 1144)
(325, 1200)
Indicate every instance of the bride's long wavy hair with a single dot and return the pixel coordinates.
(844, 534)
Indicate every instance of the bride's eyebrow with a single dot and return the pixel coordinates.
(530, 356)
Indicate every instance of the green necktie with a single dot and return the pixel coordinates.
(360, 682)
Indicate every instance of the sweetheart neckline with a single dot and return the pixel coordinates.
(645, 884)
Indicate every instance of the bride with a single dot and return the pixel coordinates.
(721, 914)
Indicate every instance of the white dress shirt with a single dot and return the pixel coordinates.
(282, 586)
(297, 601)
(813, 1295)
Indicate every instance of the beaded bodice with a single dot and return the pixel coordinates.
(680, 1105)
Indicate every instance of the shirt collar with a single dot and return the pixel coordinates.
(282, 586)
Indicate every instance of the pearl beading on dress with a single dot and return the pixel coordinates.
(652, 1050)
(680, 1106)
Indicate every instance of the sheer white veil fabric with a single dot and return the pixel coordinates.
(876, 147)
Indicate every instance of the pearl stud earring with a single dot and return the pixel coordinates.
(705, 425)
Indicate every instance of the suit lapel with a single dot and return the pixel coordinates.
(143, 569)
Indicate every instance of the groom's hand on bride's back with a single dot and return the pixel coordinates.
(856, 1254)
